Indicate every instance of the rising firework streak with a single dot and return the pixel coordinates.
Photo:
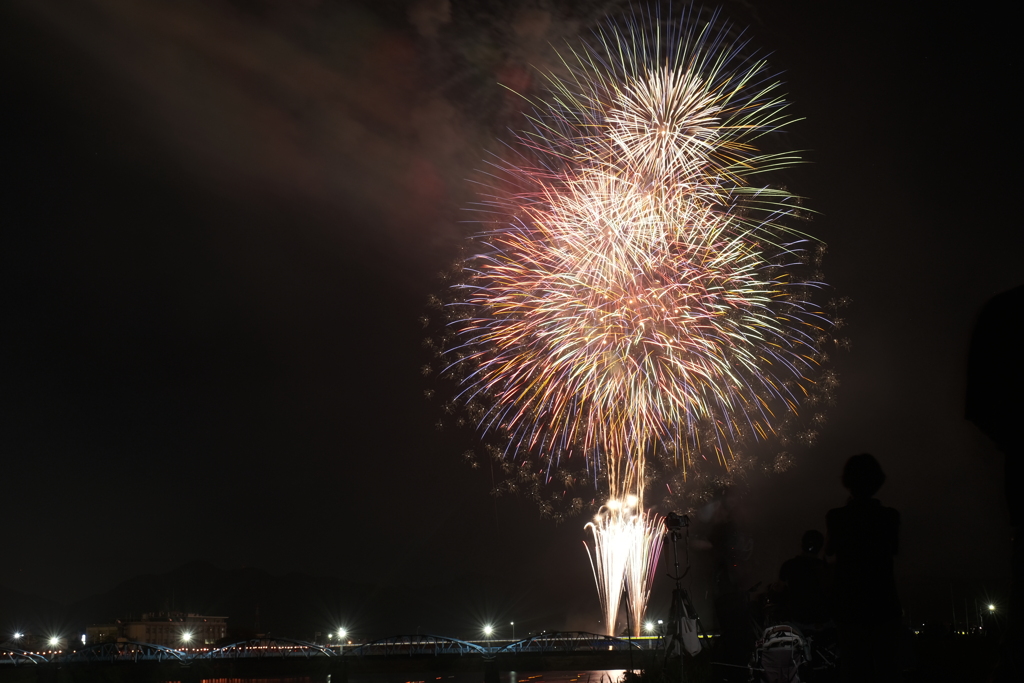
(627, 544)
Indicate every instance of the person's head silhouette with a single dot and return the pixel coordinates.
(863, 476)
(812, 542)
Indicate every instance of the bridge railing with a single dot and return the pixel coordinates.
(417, 645)
(394, 646)
(12, 656)
(123, 651)
(267, 647)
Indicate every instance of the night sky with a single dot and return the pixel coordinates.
(221, 222)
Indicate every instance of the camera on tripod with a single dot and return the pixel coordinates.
(676, 522)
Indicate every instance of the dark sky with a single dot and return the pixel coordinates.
(221, 222)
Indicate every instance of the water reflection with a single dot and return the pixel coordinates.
(611, 676)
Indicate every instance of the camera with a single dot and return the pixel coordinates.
(675, 521)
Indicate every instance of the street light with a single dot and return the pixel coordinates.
(342, 634)
(649, 627)
(513, 625)
(991, 607)
(488, 630)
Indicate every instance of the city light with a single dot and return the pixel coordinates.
(649, 627)
(342, 634)
(488, 630)
(186, 636)
(17, 635)
(54, 641)
(991, 608)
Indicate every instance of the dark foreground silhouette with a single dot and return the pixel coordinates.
(995, 403)
(863, 537)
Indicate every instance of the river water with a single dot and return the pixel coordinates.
(612, 676)
(505, 677)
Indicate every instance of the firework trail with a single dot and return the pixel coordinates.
(634, 293)
(612, 551)
(627, 545)
(643, 562)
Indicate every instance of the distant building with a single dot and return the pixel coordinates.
(102, 633)
(170, 629)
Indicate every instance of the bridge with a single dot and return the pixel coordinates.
(132, 662)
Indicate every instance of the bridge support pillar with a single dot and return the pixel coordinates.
(46, 672)
(190, 674)
(337, 671)
(491, 673)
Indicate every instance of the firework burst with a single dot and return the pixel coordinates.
(635, 290)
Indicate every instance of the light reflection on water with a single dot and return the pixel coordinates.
(611, 676)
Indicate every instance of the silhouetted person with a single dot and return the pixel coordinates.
(802, 578)
(995, 377)
(864, 537)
